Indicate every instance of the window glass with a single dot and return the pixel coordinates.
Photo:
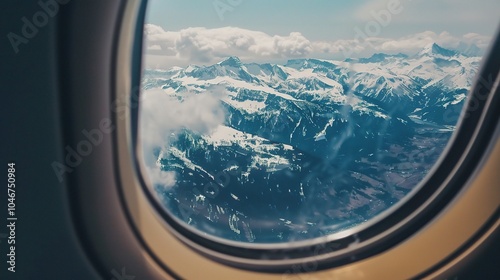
(278, 121)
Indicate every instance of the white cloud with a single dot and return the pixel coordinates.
(162, 115)
(480, 40)
(165, 179)
(200, 45)
(408, 45)
(416, 42)
(204, 46)
(294, 45)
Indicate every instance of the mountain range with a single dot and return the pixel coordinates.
(311, 146)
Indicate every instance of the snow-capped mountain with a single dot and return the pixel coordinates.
(434, 77)
(337, 140)
(470, 50)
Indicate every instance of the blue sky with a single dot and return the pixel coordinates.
(183, 32)
(329, 19)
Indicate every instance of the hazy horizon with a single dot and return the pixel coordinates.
(181, 33)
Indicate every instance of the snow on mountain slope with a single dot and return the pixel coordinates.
(342, 139)
(264, 154)
(387, 79)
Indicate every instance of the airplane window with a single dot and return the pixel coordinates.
(278, 121)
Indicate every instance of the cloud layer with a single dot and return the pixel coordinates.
(163, 115)
(199, 45)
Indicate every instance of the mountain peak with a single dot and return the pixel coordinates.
(435, 49)
(232, 61)
(470, 50)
